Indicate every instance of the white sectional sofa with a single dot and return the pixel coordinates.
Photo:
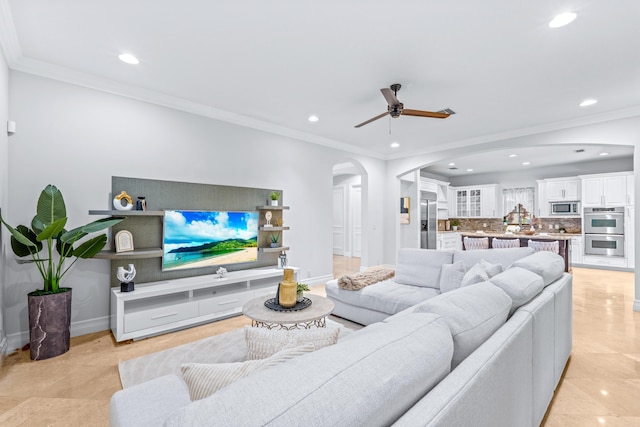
(487, 354)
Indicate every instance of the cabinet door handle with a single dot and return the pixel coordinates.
(228, 302)
(164, 315)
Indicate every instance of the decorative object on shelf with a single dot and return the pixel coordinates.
(141, 204)
(287, 289)
(275, 196)
(278, 222)
(221, 272)
(282, 260)
(268, 215)
(123, 241)
(274, 240)
(50, 307)
(126, 278)
(455, 223)
(300, 289)
(117, 202)
(404, 210)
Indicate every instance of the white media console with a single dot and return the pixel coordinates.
(159, 307)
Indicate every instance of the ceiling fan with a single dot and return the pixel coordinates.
(396, 108)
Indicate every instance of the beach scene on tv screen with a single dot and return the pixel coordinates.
(195, 239)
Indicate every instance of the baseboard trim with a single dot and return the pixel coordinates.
(20, 339)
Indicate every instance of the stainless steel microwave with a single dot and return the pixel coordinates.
(564, 208)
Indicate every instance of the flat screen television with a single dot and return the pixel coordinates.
(196, 239)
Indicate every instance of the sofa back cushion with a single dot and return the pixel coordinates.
(473, 314)
(521, 285)
(548, 265)
(421, 267)
(503, 256)
(370, 379)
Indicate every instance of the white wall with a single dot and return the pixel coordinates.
(77, 138)
(4, 190)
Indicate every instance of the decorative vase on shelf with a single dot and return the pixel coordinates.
(274, 203)
(287, 290)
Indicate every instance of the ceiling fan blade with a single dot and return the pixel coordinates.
(373, 119)
(390, 97)
(420, 113)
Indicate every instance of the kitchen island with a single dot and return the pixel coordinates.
(564, 241)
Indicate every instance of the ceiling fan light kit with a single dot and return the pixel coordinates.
(395, 108)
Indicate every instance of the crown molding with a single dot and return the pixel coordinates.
(518, 133)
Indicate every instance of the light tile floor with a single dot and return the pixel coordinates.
(601, 386)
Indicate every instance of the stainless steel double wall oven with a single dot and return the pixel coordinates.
(604, 231)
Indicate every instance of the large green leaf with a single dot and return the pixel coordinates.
(79, 232)
(20, 237)
(91, 247)
(37, 225)
(64, 249)
(51, 205)
(22, 250)
(52, 230)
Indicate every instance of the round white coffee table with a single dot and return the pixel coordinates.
(313, 316)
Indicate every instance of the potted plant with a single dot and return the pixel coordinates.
(300, 289)
(49, 245)
(455, 223)
(274, 240)
(275, 196)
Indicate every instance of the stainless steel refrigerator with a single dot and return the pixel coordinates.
(428, 220)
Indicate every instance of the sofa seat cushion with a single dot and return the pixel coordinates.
(386, 297)
(503, 256)
(421, 267)
(521, 285)
(548, 265)
(371, 379)
(473, 313)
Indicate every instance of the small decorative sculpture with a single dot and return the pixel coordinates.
(222, 272)
(268, 216)
(117, 202)
(282, 260)
(126, 278)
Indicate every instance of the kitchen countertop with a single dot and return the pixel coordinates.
(550, 236)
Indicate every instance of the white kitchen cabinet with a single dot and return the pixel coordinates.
(604, 190)
(475, 202)
(577, 250)
(631, 185)
(449, 241)
(629, 234)
(565, 189)
(541, 200)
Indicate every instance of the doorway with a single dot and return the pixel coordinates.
(347, 219)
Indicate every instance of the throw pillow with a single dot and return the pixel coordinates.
(205, 379)
(521, 285)
(262, 343)
(451, 276)
(480, 272)
(548, 265)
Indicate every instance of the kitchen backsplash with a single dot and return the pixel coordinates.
(495, 225)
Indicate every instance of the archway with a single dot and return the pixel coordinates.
(350, 198)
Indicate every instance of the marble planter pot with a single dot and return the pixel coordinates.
(49, 322)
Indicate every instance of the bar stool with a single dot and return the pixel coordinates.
(552, 246)
(505, 243)
(473, 243)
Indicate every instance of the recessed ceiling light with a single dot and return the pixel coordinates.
(588, 102)
(469, 170)
(562, 19)
(511, 156)
(395, 145)
(526, 163)
(128, 58)
(604, 154)
(452, 164)
(313, 118)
